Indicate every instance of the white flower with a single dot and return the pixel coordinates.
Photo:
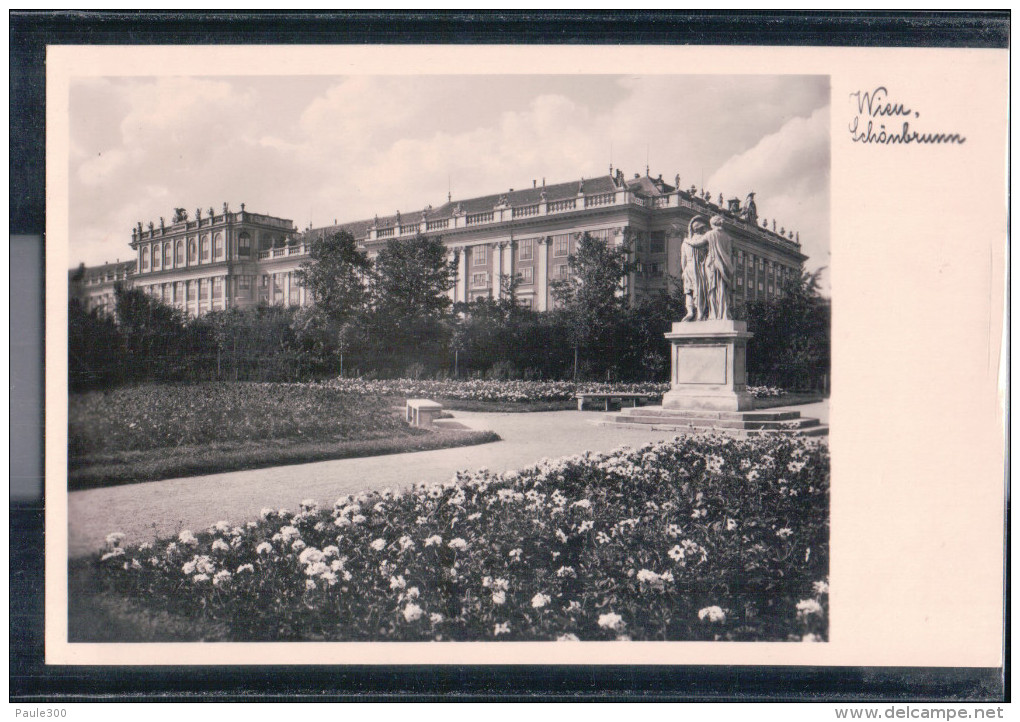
(807, 607)
(397, 582)
(434, 541)
(731, 524)
(264, 548)
(186, 537)
(144, 546)
(784, 532)
(567, 638)
(406, 543)
(500, 583)
(412, 612)
(200, 578)
(115, 552)
(221, 577)
(378, 544)
(566, 572)
(502, 628)
(676, 553)
(330, 551)
(357, 518)
(540, 600)
(458, 544)
(561, 536)
(582, 503)
(499, 597)
(435, 617)
(245, 568)
(712, 614)
(811, 638)
(222, 527)
(309, 505)
(310, 556)
(310, 585)
(298, 545)
(265, 513)
(820, 588)
(289, 532)
(328, 576)
(220, 546)
(611, 621)
(515, 554)
(114, 539)
(412, 592)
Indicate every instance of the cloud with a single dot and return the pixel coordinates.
(789, 170)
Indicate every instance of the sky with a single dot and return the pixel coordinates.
(316, 149)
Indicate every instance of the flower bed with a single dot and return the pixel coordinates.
(507, 391)
(493, 391)
(695, 538)
(154, 416)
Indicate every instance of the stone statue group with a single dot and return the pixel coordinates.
(707, 269)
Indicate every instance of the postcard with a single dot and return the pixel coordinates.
(521, 355)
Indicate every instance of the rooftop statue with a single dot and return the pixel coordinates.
(180, 215)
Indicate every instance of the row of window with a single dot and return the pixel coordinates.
(169, 255)
(526, 247)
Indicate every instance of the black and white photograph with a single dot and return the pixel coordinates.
(448, 358)
(605, 368)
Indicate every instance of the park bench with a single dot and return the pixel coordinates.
(621, 397)
(423, 412)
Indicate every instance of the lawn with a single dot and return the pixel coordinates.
(157, 431)
(693, 538)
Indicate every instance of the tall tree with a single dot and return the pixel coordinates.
(409, 305)
(336, 276)
(592, 295)
(412, 279)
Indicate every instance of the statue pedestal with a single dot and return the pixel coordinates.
(708, 360)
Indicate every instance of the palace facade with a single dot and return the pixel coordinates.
(235, 259)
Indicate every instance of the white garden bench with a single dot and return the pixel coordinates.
(423, 412)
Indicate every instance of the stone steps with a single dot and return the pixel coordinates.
(741, 424)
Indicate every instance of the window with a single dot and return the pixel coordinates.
(639, 242)
(602, 234)
(179, 254)
(168, 257)
(527, 249)
(179, 292)
(657, 242)
(203, 290)
(218, 246)
(560, 245)
(191, 250)
(527, 275)
(244, 245)
(761, 286)
(145, 258)
(479, 255)
(244, 283)
(217, 288)
(479, 279)
(740, 280)
(155, 257)
(203, 248)
(561, 271)
(265, 281)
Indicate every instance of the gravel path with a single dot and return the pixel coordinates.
(142, 511)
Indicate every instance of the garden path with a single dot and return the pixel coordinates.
(158, 508)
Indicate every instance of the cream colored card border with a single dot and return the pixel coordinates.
(918, 284)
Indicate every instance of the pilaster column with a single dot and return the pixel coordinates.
(543, 273)
(508, 257)
(501, 267)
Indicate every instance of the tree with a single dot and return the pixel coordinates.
(592, 296)
(336, 276)
(412, 279)
(792, 336)
(156, 337)
(409, 302)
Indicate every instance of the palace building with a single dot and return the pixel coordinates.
(235, 259)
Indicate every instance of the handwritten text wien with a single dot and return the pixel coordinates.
(872, 109)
